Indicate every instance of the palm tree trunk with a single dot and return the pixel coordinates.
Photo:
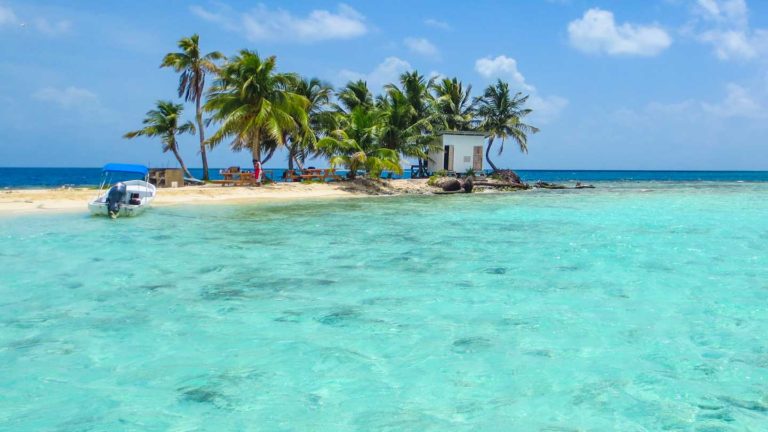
(269, 155)
(201, 131)
(256, 149)
(488, 153)
(175, 151)
(290, 159)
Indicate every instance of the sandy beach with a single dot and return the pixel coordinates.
(21, 201)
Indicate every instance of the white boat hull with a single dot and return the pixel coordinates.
(101, 209)
(141, 192)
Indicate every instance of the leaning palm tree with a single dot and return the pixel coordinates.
(501, 116)
(253, 104)
(193, 67)
(163, 122)
(454, 104)
(356, 146)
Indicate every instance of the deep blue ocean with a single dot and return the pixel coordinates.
(53, 177)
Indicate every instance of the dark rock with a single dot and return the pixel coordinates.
(450, 185)
(468, 185)
(508, 176)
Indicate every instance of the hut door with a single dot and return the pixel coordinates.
(448, 158)
(477, 158)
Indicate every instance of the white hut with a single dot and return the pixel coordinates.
(459, 152)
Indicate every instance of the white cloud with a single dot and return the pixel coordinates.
(49, 28)
(545, 108)
(386, 72)
(731, 12)
(7, 17)
(735, 44)
(724, 24)
(70, 99)
(597, 32)
(263, 23)
(422, 46)
(738, 102)
(502, 67)
(437, 75)
(438, 24)
(42, 25)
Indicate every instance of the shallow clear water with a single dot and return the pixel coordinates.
(632, 307)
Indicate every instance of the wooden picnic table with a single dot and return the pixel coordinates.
(241, 178)
(321, 174)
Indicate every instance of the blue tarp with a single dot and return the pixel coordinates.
(125, 168)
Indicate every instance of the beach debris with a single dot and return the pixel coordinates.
(502, 185)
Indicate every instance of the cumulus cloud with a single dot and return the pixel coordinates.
(501, 67)
(438, 24)
(422, 47)
(724, 24)
(264, 24)
(545, 108)
(597, 32)
(386, 72)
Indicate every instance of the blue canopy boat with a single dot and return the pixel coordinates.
(124, 198)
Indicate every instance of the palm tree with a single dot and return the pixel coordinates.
(302, 142)
(253, 103)
(424, 119)
(163, 122)
(399, 127)
(454, 104)
(356, 146)
(354, 94)
(501, 116)
(193, 68)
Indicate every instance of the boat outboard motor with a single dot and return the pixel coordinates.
(115, 196)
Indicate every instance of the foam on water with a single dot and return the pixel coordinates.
(629, 307)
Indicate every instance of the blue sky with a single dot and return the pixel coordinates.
(656, 84)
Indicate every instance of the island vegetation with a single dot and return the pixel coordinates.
(259, 109)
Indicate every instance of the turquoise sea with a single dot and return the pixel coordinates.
(636, 306)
